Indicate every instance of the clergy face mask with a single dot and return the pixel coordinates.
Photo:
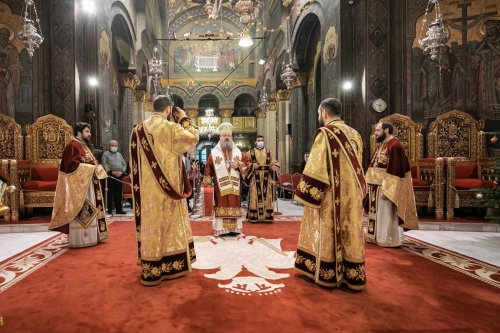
(259, 143)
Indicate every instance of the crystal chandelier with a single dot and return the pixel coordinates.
(31, 32)
(155, 69)
(288, 76)
(437, 35)
(264, 100)
(208, 123)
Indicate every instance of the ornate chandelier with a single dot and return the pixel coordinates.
(437, 35)
(264, 100)
(288, 76)
(247, 10)
(155, 69)
(212, 7)
(31, 33)
(208, 123)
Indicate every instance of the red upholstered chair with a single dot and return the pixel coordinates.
(45, 142)
(458, 137)
(295, 181)
(285, 183)
(127, 188)
(464, 177)
(428, 180)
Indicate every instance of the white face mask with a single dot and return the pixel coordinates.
(260, 144)
(113, 149)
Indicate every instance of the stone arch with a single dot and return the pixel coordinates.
(241, 90)
(123, 43)
(117, 8)
(193, 13)
(302, 39)
(210, 90)
(183, 95)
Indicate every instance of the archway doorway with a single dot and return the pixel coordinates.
(306, 98)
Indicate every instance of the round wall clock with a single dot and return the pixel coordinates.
(379, 105)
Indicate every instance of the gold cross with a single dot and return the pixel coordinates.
(218, 160)
(133, 144)
(154, 164)
(335, 153)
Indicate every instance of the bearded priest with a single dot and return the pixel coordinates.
(78, 202)
(225, 165)
(390, 205)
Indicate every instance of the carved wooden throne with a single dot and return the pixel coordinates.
(11, 150)
(458, 137)
(427, 173)
(45, 142)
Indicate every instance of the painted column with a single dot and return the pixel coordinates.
(129, 82)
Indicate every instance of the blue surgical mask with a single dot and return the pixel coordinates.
(260, 144)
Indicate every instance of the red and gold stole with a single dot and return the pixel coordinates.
(140, 138)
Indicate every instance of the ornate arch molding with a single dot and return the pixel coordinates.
(121, 29)
(187, 16)
(209, 90)
(302, 36)
(117, 8)
(239, 91)
(302, 28)
(182, 94)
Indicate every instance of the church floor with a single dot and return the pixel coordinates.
(241, 284)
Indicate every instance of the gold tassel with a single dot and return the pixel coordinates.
(457, 201)
(430, 200)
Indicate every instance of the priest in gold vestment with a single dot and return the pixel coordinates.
(78, 202)
(390, 204)
(259, 177)
(160, 188)
(331, 242)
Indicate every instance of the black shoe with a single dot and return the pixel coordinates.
(110, 212)
(121, 212)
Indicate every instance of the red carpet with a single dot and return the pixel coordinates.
(97, 290)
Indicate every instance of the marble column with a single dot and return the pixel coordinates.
(129, 82)
(281, 103)
(141, 97)
(261, 122)
(226, 115)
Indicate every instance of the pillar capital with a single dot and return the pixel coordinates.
(129, 80)
(141, 96)
(260, 113)
(226, 113)
(192, 113)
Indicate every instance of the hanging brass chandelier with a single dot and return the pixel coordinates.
(247, 10)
